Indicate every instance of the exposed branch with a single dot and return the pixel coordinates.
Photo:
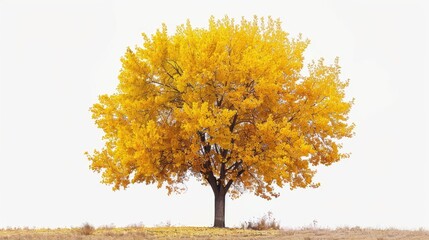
(228, 185)
(209, 176)
(234, 121)
(165, 70)
(234, 166)
(164, 85)
(175, 67)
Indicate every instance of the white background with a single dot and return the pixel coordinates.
(56, 58)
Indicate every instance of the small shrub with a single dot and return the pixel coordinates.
(87, 229)
(264, 223)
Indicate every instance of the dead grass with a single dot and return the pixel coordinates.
(264, 223)
(141, 232)
(87, 229)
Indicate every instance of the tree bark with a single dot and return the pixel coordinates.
(219, 216)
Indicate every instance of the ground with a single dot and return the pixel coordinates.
(130, 233)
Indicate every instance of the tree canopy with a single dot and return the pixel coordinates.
(229, 105)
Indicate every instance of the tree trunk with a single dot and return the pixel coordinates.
(219, 216)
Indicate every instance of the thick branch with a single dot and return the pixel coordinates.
(228, 185)
(212, 181)
(209, 176)
(206, 146)
(222, 172)
(234, 121)
(234, 166)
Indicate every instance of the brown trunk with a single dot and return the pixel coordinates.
(219, 217)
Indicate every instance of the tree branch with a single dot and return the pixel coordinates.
(222, 175)
(209, 176)
(228, 185)
(234, 166)
(234, 121)
(175, 67)
(165, 85)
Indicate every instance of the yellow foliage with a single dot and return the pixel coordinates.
(227, 103)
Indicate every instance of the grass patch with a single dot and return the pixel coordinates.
(87, 229)
(200, 233)
(266, 222)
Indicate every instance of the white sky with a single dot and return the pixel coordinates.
(56, 58)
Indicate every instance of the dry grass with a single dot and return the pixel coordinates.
(264, 223)
(140, 232)
(87, 229)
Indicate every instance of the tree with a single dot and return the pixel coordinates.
(228, 105)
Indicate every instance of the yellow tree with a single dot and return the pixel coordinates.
(227, 105)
